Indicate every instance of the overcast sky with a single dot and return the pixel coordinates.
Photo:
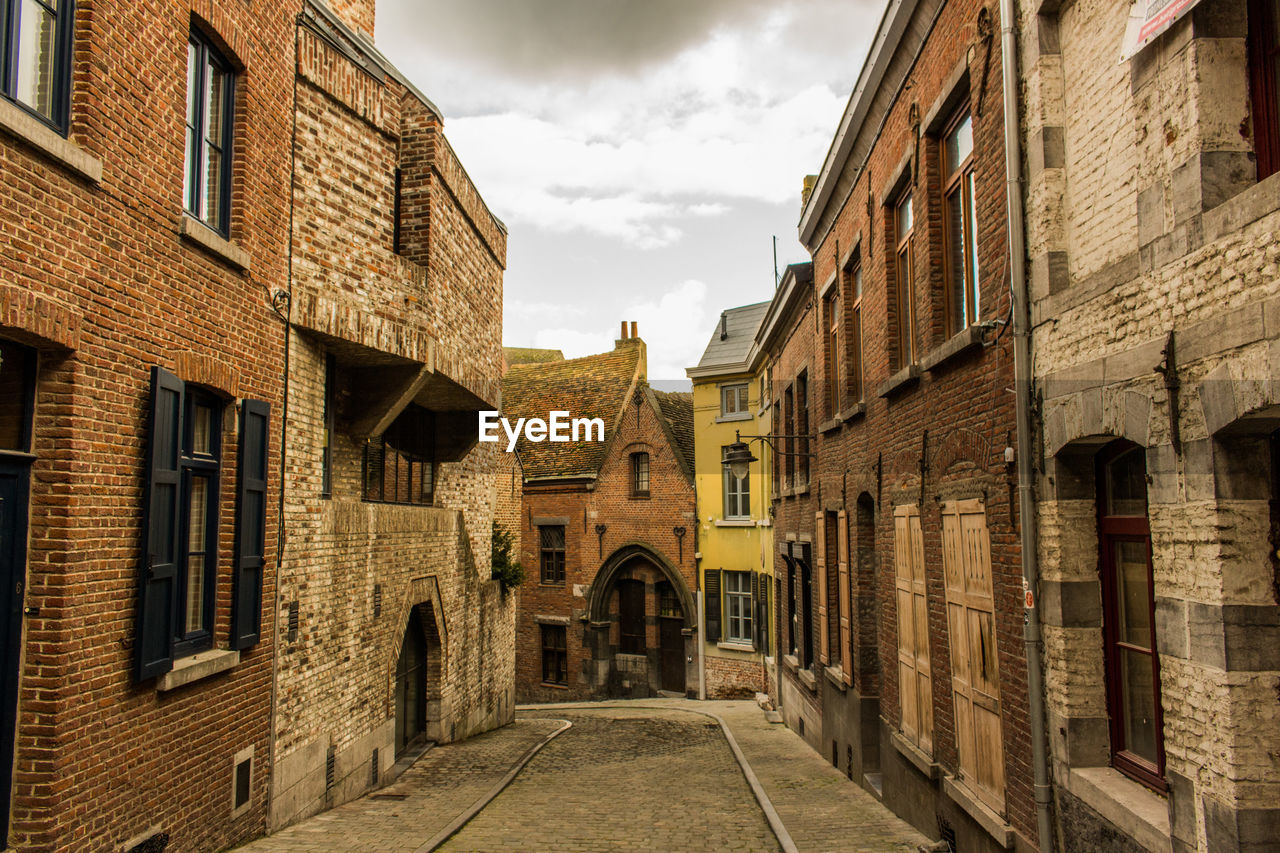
(642, 153)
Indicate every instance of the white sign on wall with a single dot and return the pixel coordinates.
(1148, 19)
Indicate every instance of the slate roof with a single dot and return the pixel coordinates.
(530, 355)
(594, 386)
(677, 411)
(742, 323)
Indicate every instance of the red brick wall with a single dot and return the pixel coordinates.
(648, 521)
(101, 758)
(966, 406)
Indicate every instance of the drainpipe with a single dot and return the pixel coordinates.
(702, 639)
(1022, 387)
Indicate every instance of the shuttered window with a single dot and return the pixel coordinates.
(711, 603)
(846, 620)
(762, 614)
(915, 692)
(824, 641)
(975, 672)
(738, 607)
(251, 520)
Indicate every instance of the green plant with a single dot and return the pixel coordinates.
(505, 566)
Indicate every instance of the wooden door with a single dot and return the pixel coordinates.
(975, 676)
(915, 675)
(671, 643)
(411, 684)
(631, 617)
(13, 556)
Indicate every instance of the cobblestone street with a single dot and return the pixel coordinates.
(648, 775)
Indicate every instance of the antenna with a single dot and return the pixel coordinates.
(776, 280)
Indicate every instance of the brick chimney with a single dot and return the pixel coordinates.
(356, 14)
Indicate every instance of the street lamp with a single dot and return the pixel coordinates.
(738, 457)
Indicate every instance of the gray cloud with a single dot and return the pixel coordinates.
(563, 38)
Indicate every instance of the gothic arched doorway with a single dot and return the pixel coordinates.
(411, 683)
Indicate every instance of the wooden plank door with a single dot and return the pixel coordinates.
(914, 671)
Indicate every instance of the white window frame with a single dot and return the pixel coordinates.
(736, 488)
(739, 608)
(741, 395)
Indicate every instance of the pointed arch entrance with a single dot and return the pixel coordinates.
(641, 625)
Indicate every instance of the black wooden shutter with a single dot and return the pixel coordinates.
(251, 520)
(158, 573)
(711, 604)
(762, 614)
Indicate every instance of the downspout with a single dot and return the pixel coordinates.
(1022, 387)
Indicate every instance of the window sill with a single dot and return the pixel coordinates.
(954, 347)
(736, 647)
(639, 496)
(551, 584)
(19, 123)
(734, 522)
(835, 675)
(915, 755)
(856, 411)
(899, 381)
(551, 620)
(195, 231)
(807, 679)
(736, 416)
(197, 666)
(555, 686)
(828, 426)
(982, 814)
(1134, 809)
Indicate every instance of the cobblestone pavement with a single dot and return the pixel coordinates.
(625, 780)
(441, 785)
(628, 776)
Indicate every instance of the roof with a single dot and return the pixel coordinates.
(677, 411)
(797, 279)
(735, 332)
(530, 355)
(595, 386)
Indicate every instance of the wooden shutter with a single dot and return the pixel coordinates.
(820, 561)
(846, 621)
(158, 574)
(914, 673)
(251, 519)
(711, 603)
(975, 679)
(762, 608)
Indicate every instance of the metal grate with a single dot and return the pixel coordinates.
(293, 621)
(373, 768)
(154, 844)
(947, 833)
(377, 600)
(330, 768)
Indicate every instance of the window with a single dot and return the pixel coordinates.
(551, 553)
(777, 486)
(398, 465)
(738, 607)
(17, 390)
(326, 452)
(1128, 616)
(555, 657)
(904, 278)
(206, 187)
(793, 618)
(180, 548)
(200, 463)
(733, 400)
(915, 679)
(737, 492)
(35, 57)
(854, 289)
(831, 313)
(802, 425)
(975, 668)
(789, 430)
(960, 208)
(1264, 83)
(640, 475)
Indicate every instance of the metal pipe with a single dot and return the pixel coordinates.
(702, 639)
(1022, 388)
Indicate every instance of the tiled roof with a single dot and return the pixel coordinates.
(530, 355)
(594, 386)
(677, 411)
(741, 324)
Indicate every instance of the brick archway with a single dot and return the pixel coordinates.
(606, 577)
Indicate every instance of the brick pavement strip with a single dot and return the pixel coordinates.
(439, 787)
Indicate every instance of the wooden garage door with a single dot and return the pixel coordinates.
(975, 675)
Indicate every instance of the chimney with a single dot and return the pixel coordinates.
(724, 325)
(810, 181)
(634, 334)
(622, 336)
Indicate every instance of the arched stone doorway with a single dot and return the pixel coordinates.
(416, 687)
(641, 626)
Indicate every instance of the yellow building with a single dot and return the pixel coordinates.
(735, 534)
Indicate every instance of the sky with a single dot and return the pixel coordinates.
(642, 153)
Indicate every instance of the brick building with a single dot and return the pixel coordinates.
(735, 534)
(900, 574)
(144, 151)
(1153, 206)
(392, 631)
(607, 608)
